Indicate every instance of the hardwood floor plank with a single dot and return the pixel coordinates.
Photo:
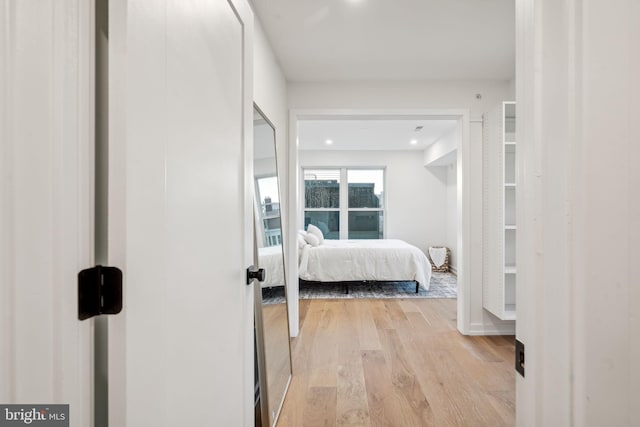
(460, 387)
(385, 407)
(352, 408)
(366, 327)
(302, 345)
(405, 382)
(408, 306)
(494, 376)
(380, 315)
(323, 358)
(303, 307)
(432, 313)
(396, 363)
(504, 403)
(502, 347)
(463, 387)
(320, 410)
(394, 310)
(480, 347)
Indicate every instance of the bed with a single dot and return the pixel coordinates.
(270, 258)
(364, 260)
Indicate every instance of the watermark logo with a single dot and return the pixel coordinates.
(34, 415)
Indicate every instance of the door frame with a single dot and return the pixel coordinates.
(463, 197)
(46, 203)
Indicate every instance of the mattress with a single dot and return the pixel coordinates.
(352, 260)
(270, 258)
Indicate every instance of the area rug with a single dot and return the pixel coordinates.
(443, 285)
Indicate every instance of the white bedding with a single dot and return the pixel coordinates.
(270, 258)
(347, 260)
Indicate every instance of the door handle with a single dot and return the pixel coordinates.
(257, 274)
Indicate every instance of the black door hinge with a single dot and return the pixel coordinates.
(520, 357)
(99, 291)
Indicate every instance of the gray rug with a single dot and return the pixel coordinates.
(443, 285)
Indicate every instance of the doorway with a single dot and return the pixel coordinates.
(458, 149)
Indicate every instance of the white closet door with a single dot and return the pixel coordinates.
(180, 176)
(46, 202)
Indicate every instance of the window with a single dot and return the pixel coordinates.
(322, 201)
(366, 214)
(267, 189)
(353, 197)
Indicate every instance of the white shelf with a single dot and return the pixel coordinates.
(500, 175)
(509, 312)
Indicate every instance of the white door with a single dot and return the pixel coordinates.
(46, 203)
(180, 228)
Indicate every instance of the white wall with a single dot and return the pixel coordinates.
(426, 95)
(270, 95)
(441, 94)
(443, 151)
(415, 195)
(443, 155)
(512, 90)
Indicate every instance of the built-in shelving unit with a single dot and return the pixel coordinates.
(499, 206)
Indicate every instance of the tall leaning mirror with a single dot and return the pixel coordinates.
(272, 323)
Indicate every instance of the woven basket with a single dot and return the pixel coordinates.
(444, 268)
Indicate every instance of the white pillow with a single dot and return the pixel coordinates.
(301, 241)
(323, 227)
(311, 239)
(312, 229)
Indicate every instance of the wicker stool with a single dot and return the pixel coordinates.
(444, 268)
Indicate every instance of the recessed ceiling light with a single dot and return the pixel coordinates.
(413, 141)
(328, 142)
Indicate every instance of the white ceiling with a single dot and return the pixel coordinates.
(347, 40)
(371, 134)
(387, 40)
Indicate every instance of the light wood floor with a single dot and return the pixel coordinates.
(396, 363)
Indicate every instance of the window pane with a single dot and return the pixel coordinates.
(268, 195)
(327, 221)
(366, 225)
(366, 188)
(272, 231)
(270, 210)
(321, 188)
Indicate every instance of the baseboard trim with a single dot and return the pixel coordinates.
(482, 329)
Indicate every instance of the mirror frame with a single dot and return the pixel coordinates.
(258, 317)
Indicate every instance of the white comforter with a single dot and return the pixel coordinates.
(345, 260)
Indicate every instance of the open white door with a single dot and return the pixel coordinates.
(180, 224)
(46, 203)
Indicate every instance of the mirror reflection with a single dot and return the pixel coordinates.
(272, 323)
